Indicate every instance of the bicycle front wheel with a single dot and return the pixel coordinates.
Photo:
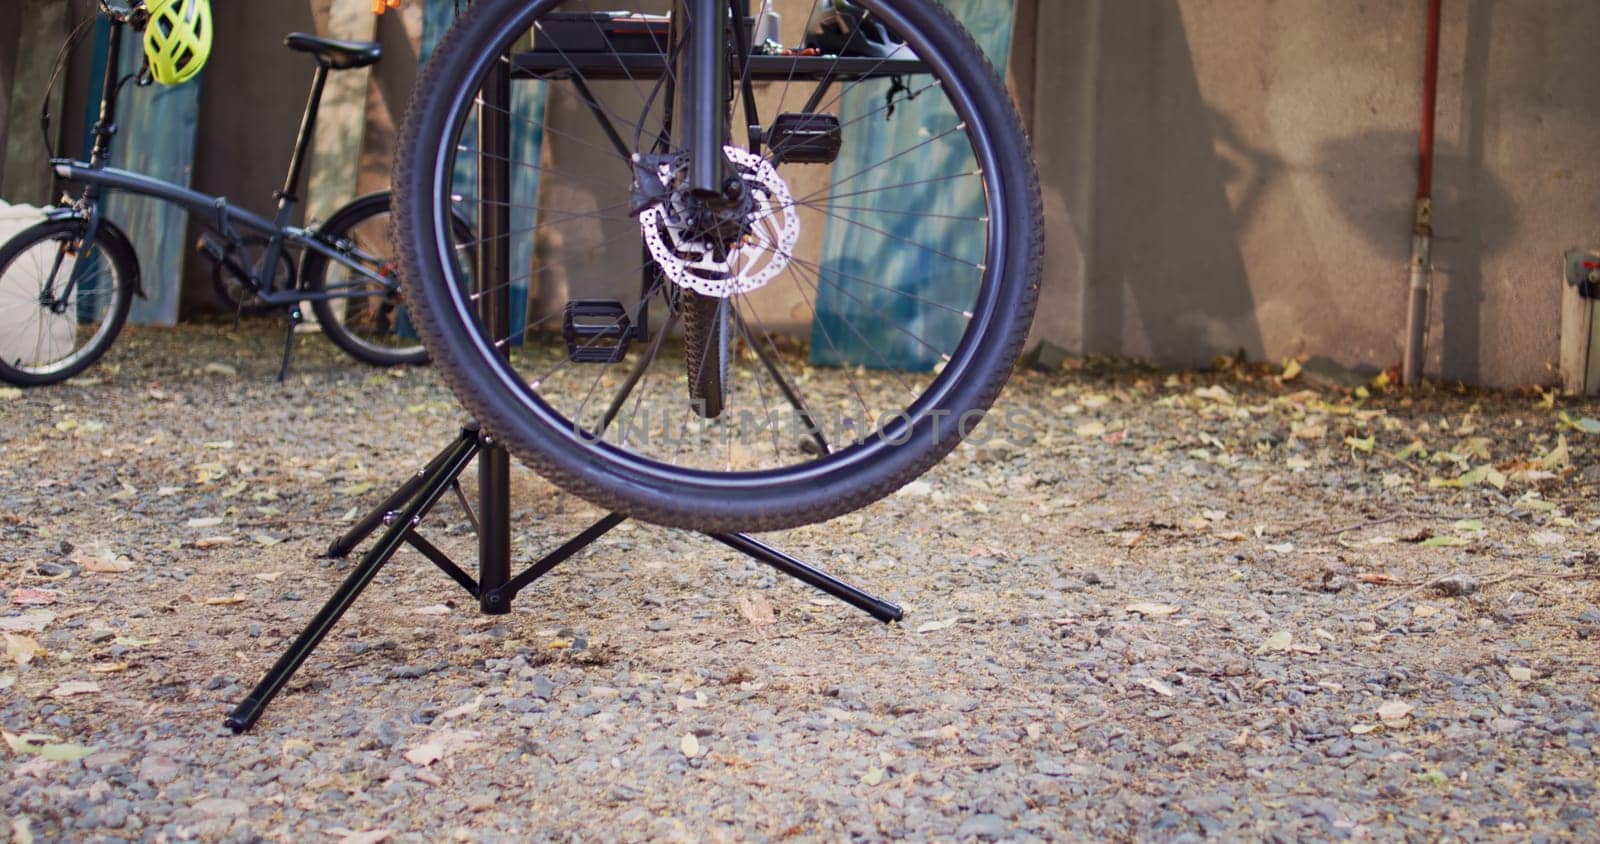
(62, 302)
(849, 307)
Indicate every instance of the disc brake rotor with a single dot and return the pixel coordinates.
(695, 261)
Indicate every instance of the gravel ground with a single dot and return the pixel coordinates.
(1224, 604)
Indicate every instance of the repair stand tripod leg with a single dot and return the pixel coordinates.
(811, 576)
(496, 599)
(342, 546)
(454, 460)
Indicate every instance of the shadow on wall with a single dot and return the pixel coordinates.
(1474, 217)
(1166, 260)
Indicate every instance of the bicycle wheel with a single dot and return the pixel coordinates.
(369, 321)
(61, 305)
(899, 221)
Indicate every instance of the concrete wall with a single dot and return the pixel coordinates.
(1226, 174)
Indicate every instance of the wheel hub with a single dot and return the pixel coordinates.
(723, 252)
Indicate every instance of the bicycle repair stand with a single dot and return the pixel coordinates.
(404, 510)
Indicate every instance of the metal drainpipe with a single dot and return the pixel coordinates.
(1422, 223)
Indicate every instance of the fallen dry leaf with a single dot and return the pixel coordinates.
(371, 836)
(1091, 429)
(1276, 643)
(20, 649)
(66, 752)
(73, 688)
(31, 621)
(1155, 685)
(1395, 710)
(1150, 609)
(440, 744)
(425, 754)
(29, 743)
(229, 600)
(27, 597)
(463, 709)
(1548, 538)
(756, 610)
(100, 559)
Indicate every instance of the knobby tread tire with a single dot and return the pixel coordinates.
(704, 350)
(491, 395)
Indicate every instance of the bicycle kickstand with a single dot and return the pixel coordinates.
(295, 318)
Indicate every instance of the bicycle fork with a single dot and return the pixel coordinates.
(701, 116)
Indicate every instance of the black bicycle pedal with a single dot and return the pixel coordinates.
(596, 330)
(806, 138)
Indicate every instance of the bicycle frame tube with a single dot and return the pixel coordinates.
(306, 240)
(212, 209)
(193, 201)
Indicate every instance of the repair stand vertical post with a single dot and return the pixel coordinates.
(494, 285)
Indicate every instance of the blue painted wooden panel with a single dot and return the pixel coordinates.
(156, 137)
(527, 138)
(880, 325)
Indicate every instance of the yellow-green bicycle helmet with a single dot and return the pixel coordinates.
(177, 41)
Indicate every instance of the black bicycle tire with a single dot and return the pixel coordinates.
(126, 264)
(314, 276)
(705, 351)
(655, 492)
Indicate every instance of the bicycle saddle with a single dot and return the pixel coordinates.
(333, 53)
